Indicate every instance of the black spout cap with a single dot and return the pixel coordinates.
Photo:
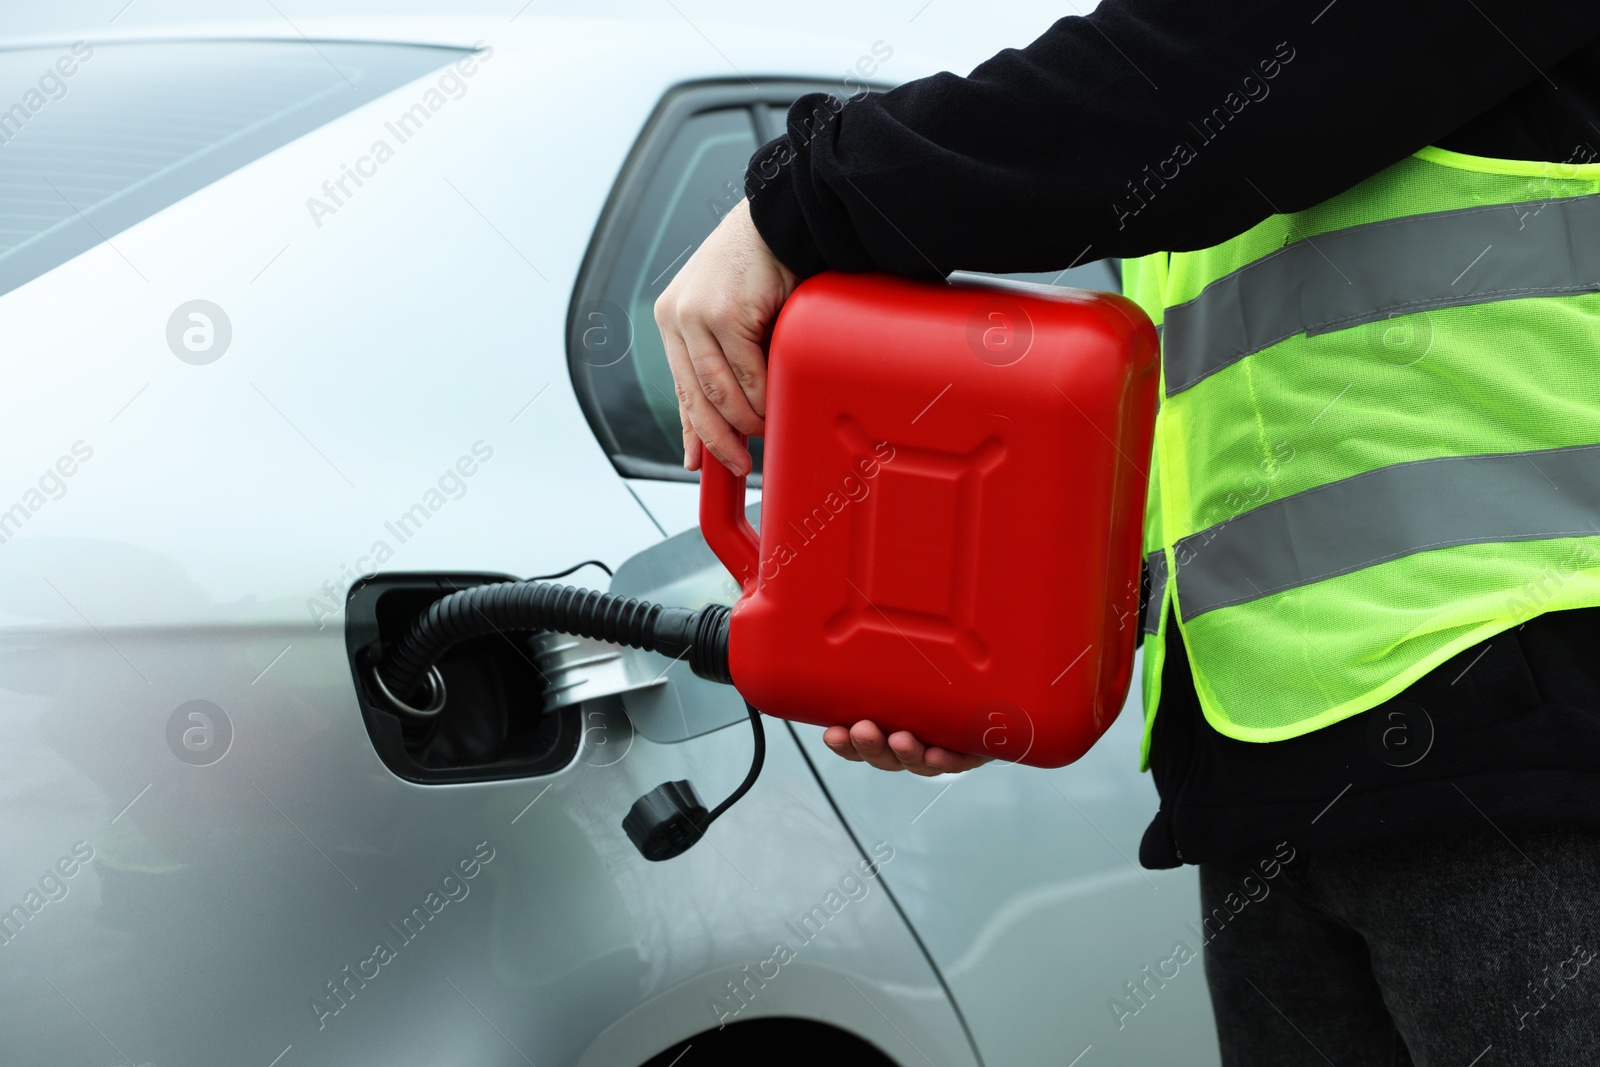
(701, 634)
(665, 822)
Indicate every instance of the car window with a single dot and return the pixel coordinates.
(680, 194)
(94, 138)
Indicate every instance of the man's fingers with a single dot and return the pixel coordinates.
(684, 382)
(691, 440)
(873, 747)
(837, 738)
(691, 449)
(747, 362)
(906, 747)
(718, 438)
(912, 754)
(900, 751)
(704, 423)
(718, 383)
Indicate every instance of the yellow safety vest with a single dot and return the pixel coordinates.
(1379, 436)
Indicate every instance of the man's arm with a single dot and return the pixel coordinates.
(1150, 125)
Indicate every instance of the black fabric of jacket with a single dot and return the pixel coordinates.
(1061, 152)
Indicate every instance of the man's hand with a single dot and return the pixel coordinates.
(900, 751)
(715, 319)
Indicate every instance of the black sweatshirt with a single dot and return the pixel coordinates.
(1171, 125)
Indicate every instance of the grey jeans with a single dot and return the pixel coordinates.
(1476, 950)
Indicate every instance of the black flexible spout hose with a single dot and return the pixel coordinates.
(670, 818)
(701, 635)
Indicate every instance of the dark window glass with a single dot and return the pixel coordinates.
(615, 343)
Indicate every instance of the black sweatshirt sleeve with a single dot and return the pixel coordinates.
(1149, 125)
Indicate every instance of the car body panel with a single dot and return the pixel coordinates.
(201, 551)
(220, 900)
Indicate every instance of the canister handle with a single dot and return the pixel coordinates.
(723, 523)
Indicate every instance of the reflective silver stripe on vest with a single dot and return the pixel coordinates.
(1378, 270)
(1155, 567)
(1385, 514)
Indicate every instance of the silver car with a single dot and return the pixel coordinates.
(305, 330)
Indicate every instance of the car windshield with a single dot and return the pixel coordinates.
(95, 137)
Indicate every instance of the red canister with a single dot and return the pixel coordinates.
(952, 500)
